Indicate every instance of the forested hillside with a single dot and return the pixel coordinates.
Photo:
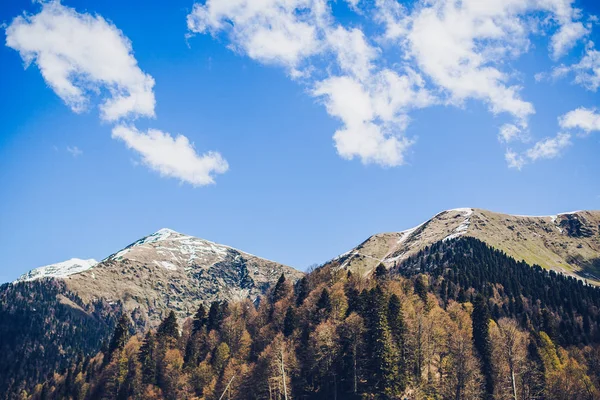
(43, 327)
(458, 320)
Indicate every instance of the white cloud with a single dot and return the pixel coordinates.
(586, 72)
(550, 147)
(566, 37)
(79, 54)
(75, 151)
(581, 118)
(457, 44)
(373, 113)
(514, 160)
(430, 52)
(544, 149)
(510, 132)
(172, 156)
(271, 31)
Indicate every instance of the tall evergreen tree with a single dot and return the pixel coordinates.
(199, 319)
(324, 305)
(421, 287)
(380, 272)
(398, 330)
(302, 290)
(280, 289)
(168, 328)
(120, 336)
(290, 322)
(214, 316)
(147, 358)
(482, 342)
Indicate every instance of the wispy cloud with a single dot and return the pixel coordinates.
(83, 56)
(75, 151)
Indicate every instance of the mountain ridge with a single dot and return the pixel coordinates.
(566, 242)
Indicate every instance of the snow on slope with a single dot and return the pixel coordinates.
(58, 270)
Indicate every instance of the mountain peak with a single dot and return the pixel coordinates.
(59, 270)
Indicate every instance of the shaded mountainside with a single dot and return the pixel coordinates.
(52, 314)
(568, 243)
(458, 320)
(43, 326)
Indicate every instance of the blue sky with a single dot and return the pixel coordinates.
(298, 171)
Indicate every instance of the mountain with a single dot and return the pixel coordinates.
(55, 313)
(568, 243)
(171, 270)
(164, 270)
(458, 320)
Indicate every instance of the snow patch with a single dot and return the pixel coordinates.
(166, 265)
(461, 229)
(58, 270)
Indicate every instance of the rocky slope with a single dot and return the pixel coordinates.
(167, 270)
(568, 243)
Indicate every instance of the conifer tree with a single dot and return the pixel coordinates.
(398, 330)
(481, 340)
(147, 359)
(280, 290)
(168, 328)
(290, 322)
(384, 355)
(380, 272)
(199, 319)
(302, 290)
(421, 287)
(120, 336)
(324, 305)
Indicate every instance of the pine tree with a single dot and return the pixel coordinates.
(120, 337)
(302, 290)
(199, 319)
(214, 316)
(290, 322)
(168, 328)
(481, 340)
(384, 355)
(324, 305)
(398, 330)
(147, 359)
(421, 287)
(280, 290)
(380, 272)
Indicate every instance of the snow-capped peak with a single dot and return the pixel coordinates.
(59, 270)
